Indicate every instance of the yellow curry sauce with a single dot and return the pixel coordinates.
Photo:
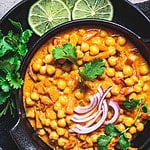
(51, 88)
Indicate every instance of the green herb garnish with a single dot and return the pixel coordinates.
(130, 104)
(13, 48)
(90, 70)
(124, 142)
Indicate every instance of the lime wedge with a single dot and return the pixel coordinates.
(46, 14)
(101, 9)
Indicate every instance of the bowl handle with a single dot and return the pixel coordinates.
(21, 137)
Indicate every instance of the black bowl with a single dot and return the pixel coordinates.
(22, 133)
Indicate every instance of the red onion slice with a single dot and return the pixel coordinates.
(84, 130)
(85, 117)
(103, 96)
(116, 109)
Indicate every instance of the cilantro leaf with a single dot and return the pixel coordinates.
(5, 86)
(92, 70)
(103, 140)
(66, 52)
(146, 109)
(4, 47)
(111, 130)
(14, 80)
(22, 49)
(130, 104)
(26, 36)
(124, 142)
(16, 24)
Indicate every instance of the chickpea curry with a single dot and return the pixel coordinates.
(87, 88)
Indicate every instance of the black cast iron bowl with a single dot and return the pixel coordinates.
(22, 133)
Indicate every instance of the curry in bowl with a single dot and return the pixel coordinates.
(87, 88)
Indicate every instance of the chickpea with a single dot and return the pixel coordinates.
(50, 69)
(96, 40)
(62, 141)
(129, 81)
(48, 58)
(80, 62)
(132, 130)
(41, 132)
(137, 88)
(50, 114)
(110, 72)
(67, 90)
(66, 67)
(61, 84)
(120, 127)
(103, 33)
(121, 40)
(60, 131)
(94, 50)
(82, 137)
(36, 67)
(85, 46)
(63, 100)
(110, 41)
(30, 113)
(43, 70)
(66, 36)
(108, 95)
(57, 106)
(60, 114)
(133, 95)
(29, 101)
(112, 60)
(47, 122)
(129, 135)
(53, 124)
(112, 50)
(94, 138)
(135, 78)
(35, 96)
(119, 74)
(115, 90)
(62, 122)
(68, 120)
(144, 69)
(146, 78)
(146, 87)
(127, 71)
(139, 126)
(128, 121)
(80, 54)
(54, 135)
(79, 95)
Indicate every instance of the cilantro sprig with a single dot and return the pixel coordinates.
(13, 48)
(90, 70)
(111, 131)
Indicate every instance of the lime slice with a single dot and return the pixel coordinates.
(101, 9)
(46, 14)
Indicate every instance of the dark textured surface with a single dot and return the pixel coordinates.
(8, 122)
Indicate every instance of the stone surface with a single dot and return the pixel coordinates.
(6, 5)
